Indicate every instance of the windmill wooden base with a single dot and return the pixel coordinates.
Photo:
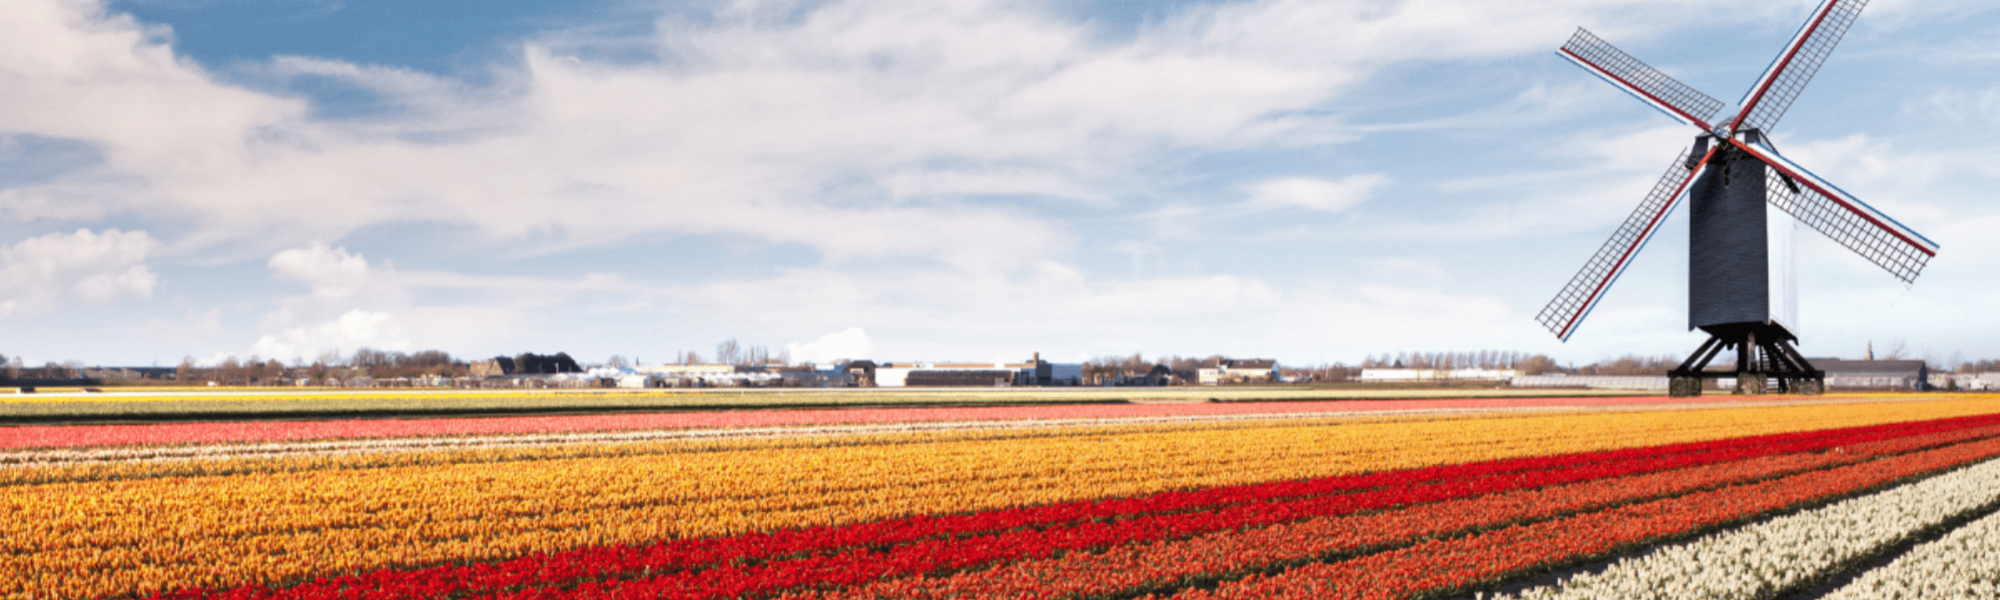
(1764, 356)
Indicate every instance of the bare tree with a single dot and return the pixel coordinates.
(729, 352)
(1537, 365)
(1896, 349)
(615, 362)
(229, 371)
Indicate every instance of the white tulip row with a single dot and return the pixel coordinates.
(1963, 564)
(1761, 559)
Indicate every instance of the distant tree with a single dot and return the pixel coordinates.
(184, 372)
(615, 362)
(1895, 351)
(537, 364)
(728, 352)
(1537, 365)
(317, 373)
(759, 354)
(229, 371)
(253, 370)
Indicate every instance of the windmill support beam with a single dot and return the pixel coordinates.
(1765, 359)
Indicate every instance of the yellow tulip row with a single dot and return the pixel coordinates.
(272, 520)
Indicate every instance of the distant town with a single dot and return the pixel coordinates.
(740, 366)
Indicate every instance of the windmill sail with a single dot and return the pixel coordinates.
(1767, 101)
(1831, 211)
(1574, 302)
(1649, 85)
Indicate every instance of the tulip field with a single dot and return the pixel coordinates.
(1841, 497)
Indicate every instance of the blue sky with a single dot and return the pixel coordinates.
(953, 179)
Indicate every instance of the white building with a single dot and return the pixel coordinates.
(1226, 370)
(999, 374)
(1415, 375)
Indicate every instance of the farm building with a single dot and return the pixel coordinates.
(1874, 374)
(1387, 375)
(1033, 372)
(1230, 370)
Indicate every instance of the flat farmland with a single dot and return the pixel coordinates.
(1520, 496)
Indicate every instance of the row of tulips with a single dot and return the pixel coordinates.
(1963, 564)
(1446, 564)
(1768, 558)
(160, 526)
(1177, 563)
(760, 563)
(133, 453)
(97, 436)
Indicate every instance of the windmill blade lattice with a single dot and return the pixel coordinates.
(1575, 300)
(1671, 96)
(1768, 100)
(1897, 256)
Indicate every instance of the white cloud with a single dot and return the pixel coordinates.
(802, 130)
(93, 268)
(847, 343)
(353, 330)
(1316, 194)
(332, 272)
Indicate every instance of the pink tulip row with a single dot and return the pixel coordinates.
(62, 436)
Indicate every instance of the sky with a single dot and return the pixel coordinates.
(1311, 181)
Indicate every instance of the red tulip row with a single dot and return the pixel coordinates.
(1170, 565)
(763, 563)
(1445, 564)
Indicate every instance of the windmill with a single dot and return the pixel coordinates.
(1739, 187)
